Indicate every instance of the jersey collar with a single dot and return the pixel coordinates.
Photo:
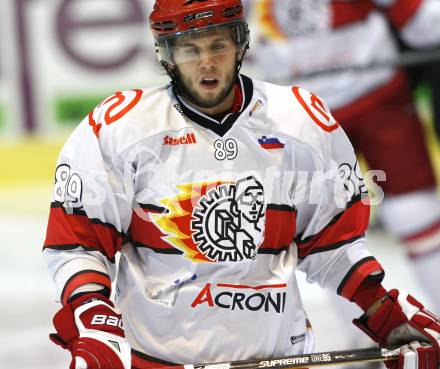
(226, 124)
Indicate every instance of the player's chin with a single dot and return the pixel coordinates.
(209, 99)
(208, 103)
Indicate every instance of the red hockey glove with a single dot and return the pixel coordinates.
(91, 329)
(403, 321)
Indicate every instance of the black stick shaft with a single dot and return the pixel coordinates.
(307, 360)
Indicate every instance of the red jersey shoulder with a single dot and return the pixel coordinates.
(113, 108)
(316, 109)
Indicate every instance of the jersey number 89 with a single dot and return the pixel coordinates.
(68, 187)
(227, 149)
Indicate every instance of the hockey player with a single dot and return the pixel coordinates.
(212, 191)
(374, 105)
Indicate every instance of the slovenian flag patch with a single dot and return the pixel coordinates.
(270, 143)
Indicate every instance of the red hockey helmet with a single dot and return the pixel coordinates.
(172, 19)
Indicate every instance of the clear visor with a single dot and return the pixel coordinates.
(210, 41)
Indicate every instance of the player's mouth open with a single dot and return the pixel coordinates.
(209, 83)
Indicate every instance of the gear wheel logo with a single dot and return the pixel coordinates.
(228, 221)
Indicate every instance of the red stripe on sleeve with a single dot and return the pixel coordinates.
(77, 229)
(402, 11)
(358, 275)
(280, 229)
(353, 222)
(81, 279)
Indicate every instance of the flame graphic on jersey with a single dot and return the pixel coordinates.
(176, 223)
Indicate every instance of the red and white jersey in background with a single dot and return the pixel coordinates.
(211, 219)
(301, 37)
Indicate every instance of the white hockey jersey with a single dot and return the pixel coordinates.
(303, 37)
(211, 219)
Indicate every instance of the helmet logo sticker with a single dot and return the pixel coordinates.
(197, 16)
(189, 2)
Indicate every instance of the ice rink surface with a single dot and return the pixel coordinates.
(27, 296)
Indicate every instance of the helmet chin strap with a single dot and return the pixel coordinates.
(175, 82)
(240, 62)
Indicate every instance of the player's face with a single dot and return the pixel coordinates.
(206, 66)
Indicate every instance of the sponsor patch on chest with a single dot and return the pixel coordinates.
(188, 139)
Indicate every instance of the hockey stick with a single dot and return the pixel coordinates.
(406, 59)
(304, 360)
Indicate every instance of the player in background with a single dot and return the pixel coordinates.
(374, 105)
(428, 75)
(213, 190)
(431, 77)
